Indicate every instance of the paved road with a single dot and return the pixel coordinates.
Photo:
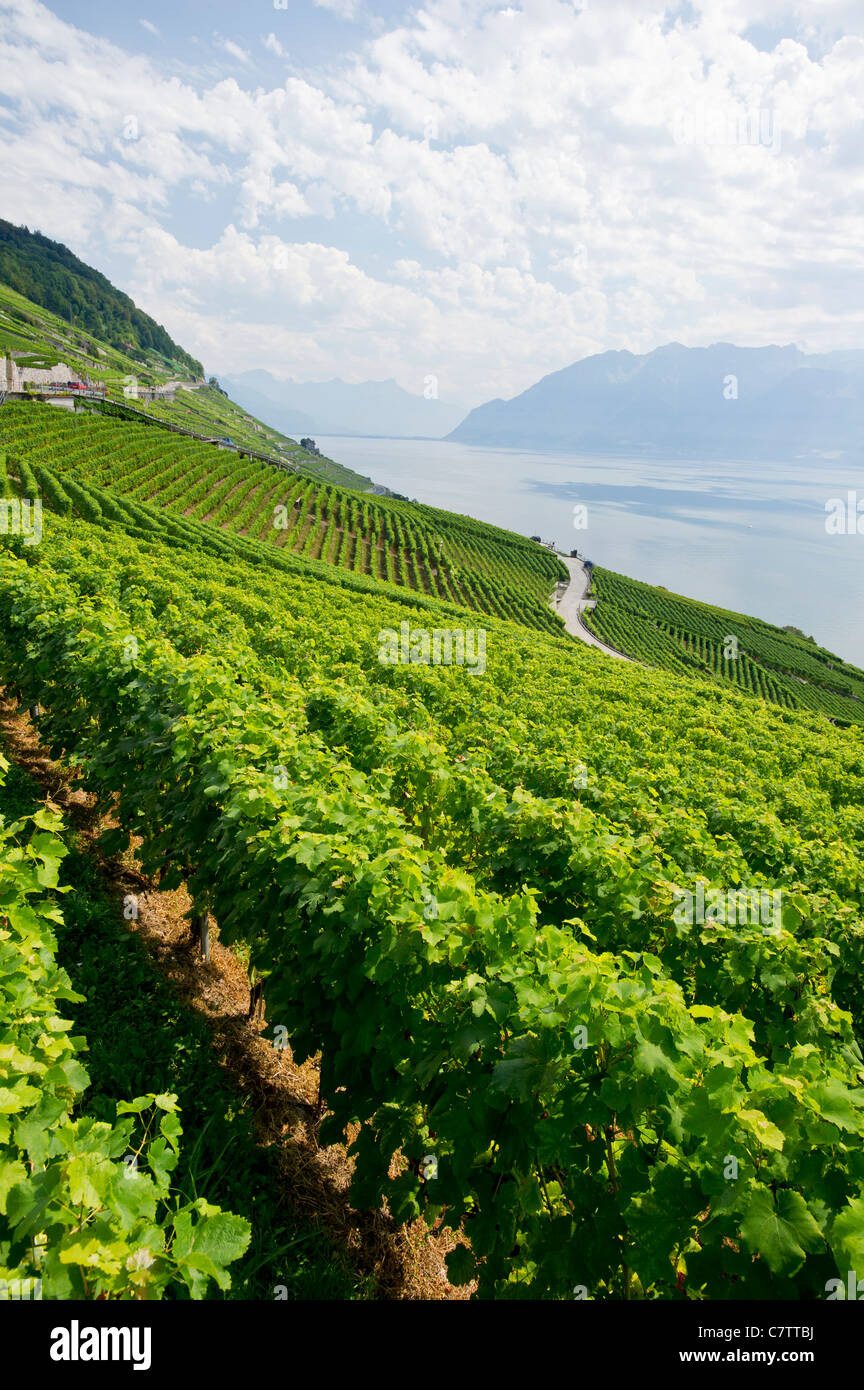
(572, 603)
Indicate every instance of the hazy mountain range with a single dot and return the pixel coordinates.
(771, 402)
(335, 407)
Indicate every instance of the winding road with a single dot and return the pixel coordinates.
(571, 603)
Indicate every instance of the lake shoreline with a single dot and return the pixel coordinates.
(750, 539)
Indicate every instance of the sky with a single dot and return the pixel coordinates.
(467, 193)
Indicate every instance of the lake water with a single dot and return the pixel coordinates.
(747, 536)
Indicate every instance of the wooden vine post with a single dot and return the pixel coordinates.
(200, 928)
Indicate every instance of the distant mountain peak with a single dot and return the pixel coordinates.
(705, 401)
(341, 407)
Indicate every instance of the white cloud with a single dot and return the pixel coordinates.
(234, 50)
(308, 310)
(150, 27)
(503, 190)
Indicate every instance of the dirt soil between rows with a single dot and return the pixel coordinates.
(405, 1262)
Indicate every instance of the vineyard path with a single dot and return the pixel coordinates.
(571, 603)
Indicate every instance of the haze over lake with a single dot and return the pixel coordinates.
(745, 536)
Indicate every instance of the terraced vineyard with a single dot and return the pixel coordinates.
(462, 886)
(435, 553)
(577, 944)
(147, 382)
(696, 639)
(206, 411)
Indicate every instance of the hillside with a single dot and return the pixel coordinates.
(48, 274)
(38, 344)
(497, 956)
(696, 639)
(473, 891)
(437, 553)
(433, 553)
(718, 401)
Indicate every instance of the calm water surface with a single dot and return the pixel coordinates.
(746, 536)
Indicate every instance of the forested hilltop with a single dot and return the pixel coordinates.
(36, 343)
(51, 275)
